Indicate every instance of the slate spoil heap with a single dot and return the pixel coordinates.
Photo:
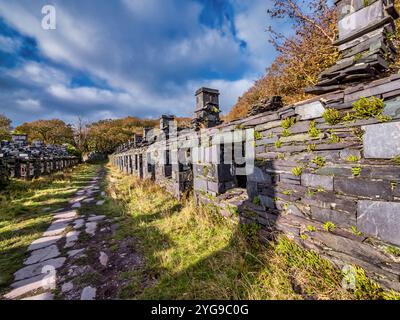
(271, 104)
(366, 32)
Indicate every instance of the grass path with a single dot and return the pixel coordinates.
(25, 213)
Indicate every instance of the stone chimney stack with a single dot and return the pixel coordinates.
(207, 109)
(366, 30)
(146, 132)
(167, 125)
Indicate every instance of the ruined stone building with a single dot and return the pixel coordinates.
(325, 172)
(20, 160)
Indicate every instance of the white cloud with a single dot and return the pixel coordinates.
(152, 55)
(9, 45)
(30, 105)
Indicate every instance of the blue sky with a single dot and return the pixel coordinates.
(110, 59)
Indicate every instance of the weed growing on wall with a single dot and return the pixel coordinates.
(257, 135)
(319, 161)
(356, 171)
(297, 171)
(278, 144)
(288, 122)
(313, 132)
(368, 108)
(332, 116)
(329, 226)
(355, 231)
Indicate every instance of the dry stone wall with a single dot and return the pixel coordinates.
(334, 188)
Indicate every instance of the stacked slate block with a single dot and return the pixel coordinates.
(270, 104)
(23, 161)
(366, 33)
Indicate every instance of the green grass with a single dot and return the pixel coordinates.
(191, 252)
(25, 213)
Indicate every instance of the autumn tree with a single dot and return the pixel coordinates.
(49, 131)
(5, 125)
(301, 56)
(106, 135)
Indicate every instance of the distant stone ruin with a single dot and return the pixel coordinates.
(325, 172)
(23, 161)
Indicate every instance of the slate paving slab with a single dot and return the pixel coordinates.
(67, 287)
(44, 261)
(79, 223)
(38, 268)
(56, 228)
(96, 218)
(28, 285)
(44, 242)
(42, 255)
(73, 253)
(91, 228)
(70, 214)
(88, 293)
(43, 297)
(76, 205)
(71, 238)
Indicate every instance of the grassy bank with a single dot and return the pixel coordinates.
(191, 252)
(25, 213)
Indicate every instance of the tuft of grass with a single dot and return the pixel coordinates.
(396, 160)
(352, 158)
(278, 144)
(311, 147)
(286, 133)
(313, 131)
(288, 122)
(368, 107)
(334, 138)
(329, 226)
(356, 171)
(311, 228)
(257, 135)
(332, 116)
(319, 161)
(297, 171)
(355, 231)
(393, 251)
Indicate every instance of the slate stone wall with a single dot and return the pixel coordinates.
(332, 188)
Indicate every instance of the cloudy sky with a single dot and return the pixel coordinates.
(110, 59)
